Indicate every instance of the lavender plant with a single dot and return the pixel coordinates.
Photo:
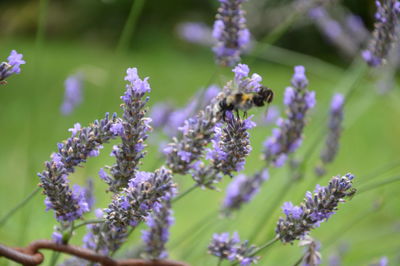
(384, 34)
(73, 93)
(330, 150)
(230, 32)
(230, 147)
(230, 248)
(131, 206)
(68, 204)
(157, 234)
(315, 209)
(12, 66)
(289, 135)
(242, 189)
(132, 129)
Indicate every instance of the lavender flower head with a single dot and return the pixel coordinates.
(289, 135)
(230, 32)
(330, 150)
(133, 131)
(132, 205)
(12, 66)
(242, 189)
(384, 35)
(70, 204)
(196, 32)
(316, 208)
(229, 248)
(157, 234)
(73, 93)
(230, 147)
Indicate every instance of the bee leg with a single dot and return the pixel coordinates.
(245, 114)
(223, 116)
(237, 113)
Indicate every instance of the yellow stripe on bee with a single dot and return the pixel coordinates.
(246, 97)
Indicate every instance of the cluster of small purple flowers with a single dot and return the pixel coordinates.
(314, 209)
(197, 133)
(288, 136)
(384, 35)
(131, 206)
(12, 66)
(335, 129)
(132, 129)
(242, 189)
(157, 234)
(71, 204)
(230, 32)
(230, 147)
(73, 93)
(229, 248)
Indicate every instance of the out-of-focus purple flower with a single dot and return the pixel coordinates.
(230, 33)
(315, 209)
(242, 189)
(89, 193)
(73, 93)
(196, 32)
(288, 136)
(160, 114)
(230, 248)
(331, 148)
(57, 237)
(311, 257)
(384, 34)
(12, 66)
(336, 32)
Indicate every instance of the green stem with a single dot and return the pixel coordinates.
(184, 193)
(192, 231)
(299, 261)
(43, 12)
(130, 25)
(95, 221)
(269, 211)
(331, 240)
(378, 184)
(20, 205)
(265, 246)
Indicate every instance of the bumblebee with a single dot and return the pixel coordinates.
(245, 101)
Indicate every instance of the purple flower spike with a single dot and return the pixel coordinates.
(73, 93)
(231, 145)
(230, 33)
(133, 131)
(242, 189)
(331, 148)
(384, 35)
(132, 205)
(157, 234)
(69, 204)
(314, 209)
(230, 248)
(287, 138)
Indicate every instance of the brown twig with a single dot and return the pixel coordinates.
(32, 256)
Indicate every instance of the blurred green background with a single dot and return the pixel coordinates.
(59, 38)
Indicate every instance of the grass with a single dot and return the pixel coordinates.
(32, 125)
